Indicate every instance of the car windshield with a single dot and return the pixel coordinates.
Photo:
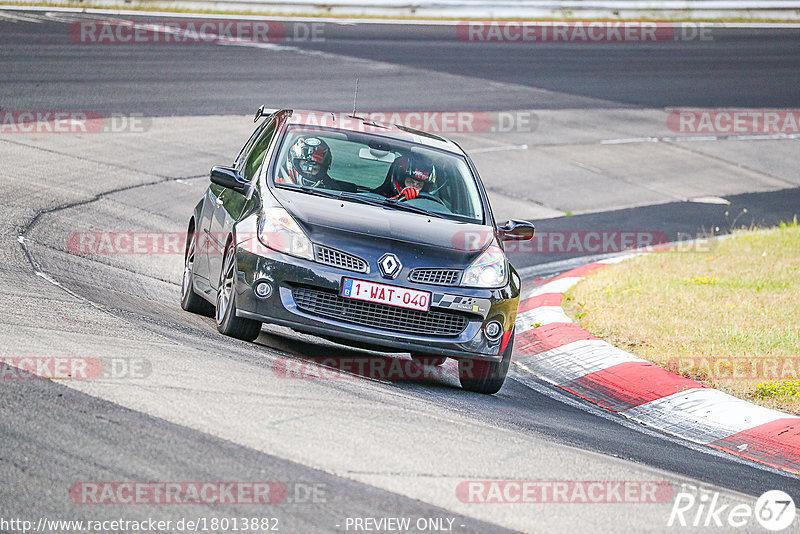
(368, 168)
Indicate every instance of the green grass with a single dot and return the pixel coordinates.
(729, 317)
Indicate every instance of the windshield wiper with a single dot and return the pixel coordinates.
(407, 207)
(387, 203)
(357, 197)
(311, 190)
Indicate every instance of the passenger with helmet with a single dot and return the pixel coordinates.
(414, 174)
(307, 164)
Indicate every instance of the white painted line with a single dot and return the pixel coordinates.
(742, 137)
(575, 360)
(556, 286)
(355, 20)
(702, 415)
(766, 137)
(709, 200)
(619, 259)
(540, 317)
(266, 46)
(219, 40)
(48, 278)
(699, 138)
(69, 18)
(693, 138)
(499, 148)
(587, 167)
(629, 140)
(343, 21)
(20, 18)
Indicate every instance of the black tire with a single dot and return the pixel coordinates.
(190, 300)
(430, 361)
(483, 376)
(227, 321)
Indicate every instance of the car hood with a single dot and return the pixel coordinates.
(367, 230)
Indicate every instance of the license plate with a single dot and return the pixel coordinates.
(391, 295)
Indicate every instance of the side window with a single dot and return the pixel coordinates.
(246, 148)
(256, 155)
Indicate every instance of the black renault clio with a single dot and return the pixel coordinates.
(361, 232)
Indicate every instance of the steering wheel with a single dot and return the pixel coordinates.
(426, 196)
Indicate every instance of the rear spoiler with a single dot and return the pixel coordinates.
(264, 111)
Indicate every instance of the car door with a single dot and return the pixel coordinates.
(207, 243)
(229, 204)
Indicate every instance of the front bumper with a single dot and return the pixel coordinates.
(285, 273)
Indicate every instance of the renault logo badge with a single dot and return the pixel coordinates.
(390, 266)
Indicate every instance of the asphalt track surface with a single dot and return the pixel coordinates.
(54, 435)
(735, 68)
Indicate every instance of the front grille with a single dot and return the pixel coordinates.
(330, 256)
(439, 277)
(372, 314)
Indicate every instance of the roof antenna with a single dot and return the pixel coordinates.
(355, 97)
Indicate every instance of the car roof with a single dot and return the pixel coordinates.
(355, 123)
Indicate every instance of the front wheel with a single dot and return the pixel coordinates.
(483, 376)
(227, 321)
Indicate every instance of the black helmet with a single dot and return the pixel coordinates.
(417, 167)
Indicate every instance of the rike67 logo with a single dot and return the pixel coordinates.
(774, 510)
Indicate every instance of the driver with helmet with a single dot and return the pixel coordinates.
(307, 164)
(417, 174)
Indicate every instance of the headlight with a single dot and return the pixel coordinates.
(489, 270)
(279, 231)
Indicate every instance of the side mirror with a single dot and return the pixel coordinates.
(516, 230)
(227, 177)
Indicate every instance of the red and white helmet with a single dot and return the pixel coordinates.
(304, 156)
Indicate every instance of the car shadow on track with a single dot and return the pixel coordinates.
(306, 357)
